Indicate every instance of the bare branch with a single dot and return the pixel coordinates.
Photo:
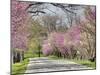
(38, 11)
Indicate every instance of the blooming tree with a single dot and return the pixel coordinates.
(19, 28)
(88, 28)
(19, 24)
(61, 43)
(46, 48)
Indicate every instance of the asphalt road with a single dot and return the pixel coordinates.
(44, 64)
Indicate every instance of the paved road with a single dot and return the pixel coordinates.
(44, 64)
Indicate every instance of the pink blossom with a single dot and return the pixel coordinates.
(46, 49)
(57, 39)
(19, 22)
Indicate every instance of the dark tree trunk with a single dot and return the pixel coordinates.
(18, 56)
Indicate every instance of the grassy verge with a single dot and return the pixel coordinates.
(19, 68)
(54, 57)
(85, 62)
(31, 54)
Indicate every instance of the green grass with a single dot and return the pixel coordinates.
(32, 54)
(85, 62)
(19, 68)
(53, 57)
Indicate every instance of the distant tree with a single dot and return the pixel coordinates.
(61, 43)
(50, 22)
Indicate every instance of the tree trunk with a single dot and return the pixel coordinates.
(21, 56)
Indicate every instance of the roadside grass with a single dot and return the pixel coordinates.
(79, 61)
(31, 54)
(54, 57)
(85, 62)
(19, 68)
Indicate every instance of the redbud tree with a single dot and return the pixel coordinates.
(19, 25)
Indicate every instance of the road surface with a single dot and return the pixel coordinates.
(44, 64)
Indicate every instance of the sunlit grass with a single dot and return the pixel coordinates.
(19, 68)
(54, 57)
(79, 61)
(86, 63)
(32, 54)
